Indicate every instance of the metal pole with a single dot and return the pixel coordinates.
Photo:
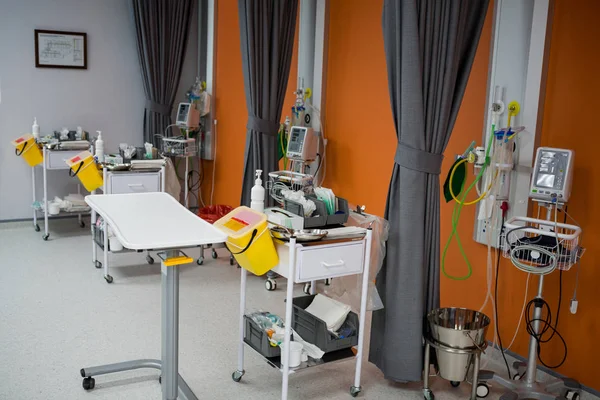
(105, 248)
(363, 308)
(45, 193)
(531, 359)
(186, 182)
(244, 276)
(475, 376)
(170, 331)
(426, 366)
(285, 353)
(92, 227)
(34, 199)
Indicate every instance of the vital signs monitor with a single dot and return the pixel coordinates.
(552, 174)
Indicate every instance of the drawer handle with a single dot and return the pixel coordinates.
(135, 184)
(340, 263)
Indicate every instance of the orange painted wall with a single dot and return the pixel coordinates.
(362, 142)
(231, 112)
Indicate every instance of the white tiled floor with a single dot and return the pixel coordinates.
(58, 315)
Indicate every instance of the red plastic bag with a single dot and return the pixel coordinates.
(213, 213)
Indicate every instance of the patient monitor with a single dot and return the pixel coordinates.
(552, 174)
(187, 116)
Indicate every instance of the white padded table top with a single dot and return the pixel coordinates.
(155, 220)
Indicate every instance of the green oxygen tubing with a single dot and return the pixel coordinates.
(457, 209)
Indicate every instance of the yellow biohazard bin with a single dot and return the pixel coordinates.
(249, 239)
(84, 167)
(26, 147)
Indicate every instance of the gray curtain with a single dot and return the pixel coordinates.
(267, 29)
(162, 30)
(429, 47)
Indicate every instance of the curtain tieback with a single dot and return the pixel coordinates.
(418, 160)
(163, 109)
(263, 125)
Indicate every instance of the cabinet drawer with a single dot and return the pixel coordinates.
(134, 183)
(57, 159)
(331, 261)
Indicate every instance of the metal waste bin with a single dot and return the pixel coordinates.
(458, 336)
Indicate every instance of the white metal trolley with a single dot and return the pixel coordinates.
(309, 262)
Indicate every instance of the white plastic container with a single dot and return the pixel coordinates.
(295, 353)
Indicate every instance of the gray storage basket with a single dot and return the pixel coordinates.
(320, 218)
(258, 339)
(339, 218)
(314, 330)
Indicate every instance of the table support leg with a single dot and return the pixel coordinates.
(93, 231)
(475, 380)
(285, 352)
(46, 234)
(354, 390)
(105, 253)
(35, 225)
(244, 277)
(174, 386)
(170, 330)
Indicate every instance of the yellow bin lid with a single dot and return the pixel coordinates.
(240, 222)
(24, 138)
(84, 155)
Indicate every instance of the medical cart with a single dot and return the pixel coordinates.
(169, 231)
(123, 182)
(54, 159)
(309, 262)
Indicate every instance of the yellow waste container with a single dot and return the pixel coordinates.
(26, 147)
(249, 239)
(84, 167)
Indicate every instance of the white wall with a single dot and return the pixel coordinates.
(108, 96)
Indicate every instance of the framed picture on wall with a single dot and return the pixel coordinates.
(58, 49)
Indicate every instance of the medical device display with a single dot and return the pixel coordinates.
(302, 144)
(552, 174)
(187, 116)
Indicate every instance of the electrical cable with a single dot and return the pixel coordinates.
(318, 166)
(522, 313)
(539, 302)
(496, 310)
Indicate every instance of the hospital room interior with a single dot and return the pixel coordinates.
(298, 199)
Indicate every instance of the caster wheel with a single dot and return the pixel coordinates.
(231, 260)
(214, 254)
(98, 264)
(516, 377)
(455, 383)
(306, 288)
(149, 260)
(82, 224)
(270, 284)
(571, 395)
(328, 281)
(36, 227)
(482, 390)
(109, 279)
(200, 261)
(429, 396)
(237, 375)
(354, 391)
(88, 383)
(46, 236)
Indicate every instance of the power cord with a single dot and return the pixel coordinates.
(547, 325)
(504, 207)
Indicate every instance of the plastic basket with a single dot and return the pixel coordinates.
(540, 246)
(314, 330)
(84, 167)
(249, 240)
(258, 339)
(27, 148)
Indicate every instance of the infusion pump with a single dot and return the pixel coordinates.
(302, 144)
(552, 174)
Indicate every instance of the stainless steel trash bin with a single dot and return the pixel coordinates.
(456, 328)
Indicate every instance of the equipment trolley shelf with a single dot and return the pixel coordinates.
(307, 263)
